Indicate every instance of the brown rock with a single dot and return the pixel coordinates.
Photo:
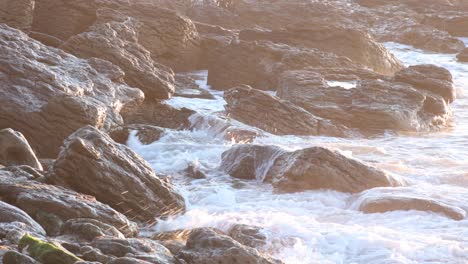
(15, 150)
(17, 13)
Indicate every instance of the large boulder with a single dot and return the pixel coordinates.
(92, 163)
(260, 63)
(15, 150)
(17, 13)
(9, 214)
(47, 94)
(117, 42)
(38, 199)
(463, 56)
(456, 25)
(381, 200)
(305, 169)
(413, 101)
(45, 251)
(270, 113)
(206, 246)
(428, 38)
(359, 46)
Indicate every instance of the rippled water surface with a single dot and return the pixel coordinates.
(324, 226)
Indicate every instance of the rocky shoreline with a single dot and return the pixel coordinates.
(77, 78)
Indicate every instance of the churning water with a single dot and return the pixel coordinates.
(325, 226)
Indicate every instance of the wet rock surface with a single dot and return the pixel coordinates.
(118, 43)
(37, 198)
(40, 81)
(146, 134)
(276, 116)
(207, 246)
(115, 175)
(306, 169)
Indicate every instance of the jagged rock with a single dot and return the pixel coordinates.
(143, 249)
(37, 198)
(48, 94)
(46, 252)
(463, 56)
(92, 163)
(382, 200)
(17, 13)
(260, 63)
(13, 257)
(187, 86)
(274, 115)
(206, 246)
(250, 236)
(15, 150)
(92, 254)
(89, 229)
(146, 134)
(374, 104)
(428, 38)
(10, 214)
(45, 39)
(305, 169)
(159, 114)
(364, 49)
(456, 25)
(127, 260)
(193, 171)
(117, 42)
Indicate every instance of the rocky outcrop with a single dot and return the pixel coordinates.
(463, 56)
(17, 13)
(206, 246)
(146, 134)
(412, 101)
(13, 257)
(306, 169)
(9, 214)
(136, 248)
(359, 46)
(250, 236)
(158, 114)
(46, 252)
(48, 94)
(383, 200)
(117, 42)
(271, 114)
(15, 150)
(38, 199)
(260, 63)
(456, 25)
(92, 163)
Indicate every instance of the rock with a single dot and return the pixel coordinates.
(271, 114)
(463, 56)
(13, 257)
(15, 150)
(51, 222)
(364, 49)
(428, 38)
(91, 254)
(171, 38)
(92, 163)
(374, 105)
(45, 39)
(10, 214)
(17, 13)
(117, 42)
(206, 246)
(260, 63)
(250, 236)
(128, 261)
(143, 249)
(305, 169)
(146, 134)
(249, 163)
(430, 78)
(89, 229)
(159, 114)
(193, 171)
(383, 200)
(456, 25)
(187, 86)
(46, 252)
(48, 93)
(37, 198)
